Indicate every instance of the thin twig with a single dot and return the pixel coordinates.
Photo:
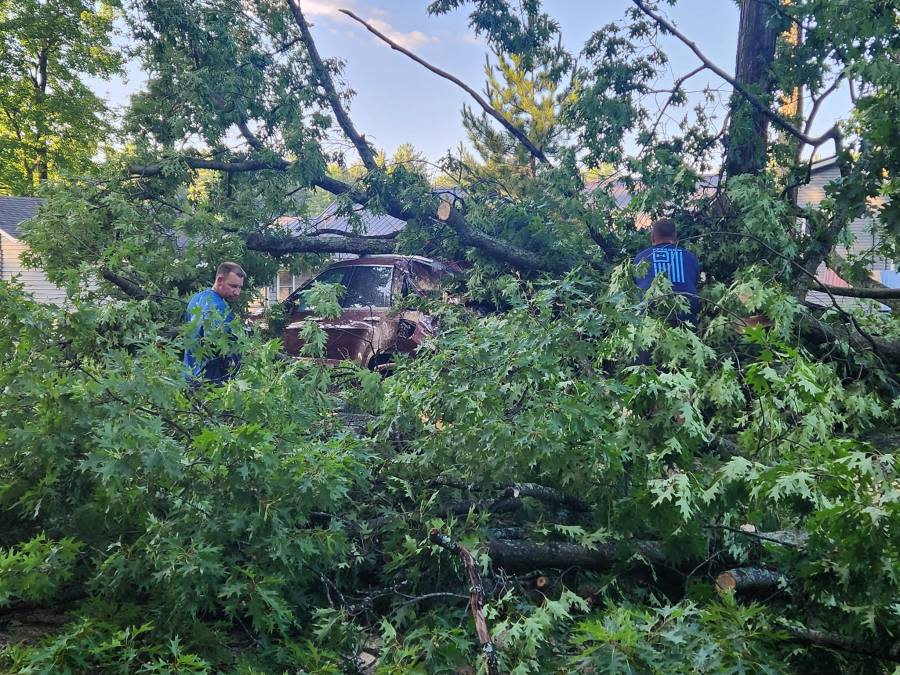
(833, 133)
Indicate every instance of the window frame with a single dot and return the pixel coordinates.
(295, 296)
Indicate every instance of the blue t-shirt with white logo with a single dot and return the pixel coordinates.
(680, 266)
(207, 311)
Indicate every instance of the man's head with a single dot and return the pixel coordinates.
(229, 280)
(663, 232)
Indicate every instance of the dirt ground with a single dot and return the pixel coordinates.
(29, 624)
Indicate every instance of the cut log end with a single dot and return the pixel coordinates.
(443, 211)
(726, 582)
(750, 580)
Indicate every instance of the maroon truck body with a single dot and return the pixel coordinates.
(371, 328)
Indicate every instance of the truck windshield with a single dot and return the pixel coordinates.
(365, 285)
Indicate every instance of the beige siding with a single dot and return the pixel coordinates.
(864, 237)
(34, 281)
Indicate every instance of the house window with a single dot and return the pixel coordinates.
(285, 284)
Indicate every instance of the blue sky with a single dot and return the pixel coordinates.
(398, 101)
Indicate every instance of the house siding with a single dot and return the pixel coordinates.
(33, 280)
(863, 229)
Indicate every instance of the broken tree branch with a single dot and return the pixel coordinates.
(834, 133)
(468, 236)
(128, 286)
(822, 638)
(546, 494)
(324, 77)
(239, 166)
(343, 233)
(476, 597)
(871, 293)
(536, 152)
(494, 247)
(523, 555)
(790, 538)
(835, 261)
(750, 580)
(278, 245)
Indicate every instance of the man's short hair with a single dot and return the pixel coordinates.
(226, 268)
(664, 228)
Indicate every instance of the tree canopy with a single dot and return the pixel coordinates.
(51, 122)
(524, 495)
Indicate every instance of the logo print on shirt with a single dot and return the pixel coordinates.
(671, 262)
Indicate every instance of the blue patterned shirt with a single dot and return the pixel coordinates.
(680, 266)
(207, 311)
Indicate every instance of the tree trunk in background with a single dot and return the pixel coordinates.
(748, 130)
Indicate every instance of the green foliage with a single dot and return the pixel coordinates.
(35, 569)
(200, 502)
(101, 646)
(244, 528)
(682, 638)
(52, 123)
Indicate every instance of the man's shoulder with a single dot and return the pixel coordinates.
(641, 255)
(207, 299)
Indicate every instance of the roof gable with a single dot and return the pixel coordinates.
(14, 210)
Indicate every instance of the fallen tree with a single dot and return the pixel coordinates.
(593, 463)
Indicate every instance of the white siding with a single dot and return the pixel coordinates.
(34, 281)
(863, 229)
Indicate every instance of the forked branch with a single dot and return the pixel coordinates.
(834, 133)
(476, 597)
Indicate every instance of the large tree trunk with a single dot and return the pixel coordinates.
(748, 130)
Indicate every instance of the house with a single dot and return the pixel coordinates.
(865, 237)
(13, 212)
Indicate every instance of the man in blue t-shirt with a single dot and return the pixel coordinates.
(681, 267)
(208, 312)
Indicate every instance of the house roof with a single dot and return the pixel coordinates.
(361, 221)
(14, 210)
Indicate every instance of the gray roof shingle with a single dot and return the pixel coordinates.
(13, 210)
(369, 224)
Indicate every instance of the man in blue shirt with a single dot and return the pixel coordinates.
(681, 267)
(208, 314)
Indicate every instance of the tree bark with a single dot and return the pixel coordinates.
(749, 580)
(131, 288)
(476, 597)
(822, 638)
(524, 556)
(281, 246)
(548, 495)
(838, 263)
(870, 293)
(748, 131)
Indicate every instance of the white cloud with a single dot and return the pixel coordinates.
(409, 40)
(323, 7)
(330, 9)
